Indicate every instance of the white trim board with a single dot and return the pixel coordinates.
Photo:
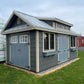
(37, 51)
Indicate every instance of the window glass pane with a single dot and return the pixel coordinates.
(51, 41)
(14, 39)
(23, 38)
(46, 41)
(72, 41)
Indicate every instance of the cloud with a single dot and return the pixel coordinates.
(67, 10)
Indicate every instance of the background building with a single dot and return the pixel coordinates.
(2, 41)
(81, 41)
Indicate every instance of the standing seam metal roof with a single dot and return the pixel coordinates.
(35, 22)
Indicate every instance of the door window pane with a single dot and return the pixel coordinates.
(14, 39)
(23, 38)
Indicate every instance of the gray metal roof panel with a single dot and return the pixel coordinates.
(17, 28)
(55, 19)
(36, 23)
(23, 27)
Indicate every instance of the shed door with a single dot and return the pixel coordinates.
(63, 48)
(20, 51)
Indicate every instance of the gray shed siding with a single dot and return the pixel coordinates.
(33, 50)
(8, 49)
(46, 62)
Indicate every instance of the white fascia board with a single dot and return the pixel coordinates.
(7, 22)
(16, 31)
(15, 13)
(26, 21)
(42, 29)
(48, 30)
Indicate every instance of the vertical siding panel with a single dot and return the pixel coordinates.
(33, 50)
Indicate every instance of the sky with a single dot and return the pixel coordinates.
(71, 11)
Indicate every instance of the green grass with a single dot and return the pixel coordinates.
(72, 74)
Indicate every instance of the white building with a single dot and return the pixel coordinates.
(2, 41)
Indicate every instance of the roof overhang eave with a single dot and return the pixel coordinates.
(16, 31)
(38, 28)
(54, 31)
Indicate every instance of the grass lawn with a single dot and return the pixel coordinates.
(72, 74)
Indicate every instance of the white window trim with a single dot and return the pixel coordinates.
(75, 43)
(16, 40)
(22, 40)
(49, 43)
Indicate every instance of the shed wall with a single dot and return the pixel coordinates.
(46, 62)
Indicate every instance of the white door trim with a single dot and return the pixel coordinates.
(29, 62)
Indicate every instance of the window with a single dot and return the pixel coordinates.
(48, 41)
(51, 41)
(67, 27)
(58, 25)
(72, 41)
(23, 38)
(14, 39)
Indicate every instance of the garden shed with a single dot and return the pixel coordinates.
(36, 43)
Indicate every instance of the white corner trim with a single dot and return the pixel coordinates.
(37, 51)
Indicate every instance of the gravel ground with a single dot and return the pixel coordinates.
(80, 48)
